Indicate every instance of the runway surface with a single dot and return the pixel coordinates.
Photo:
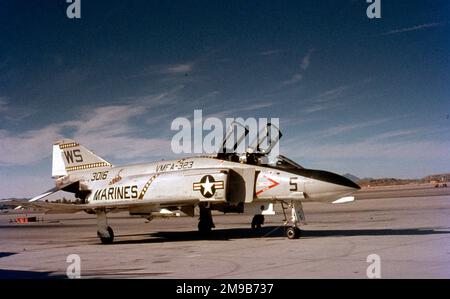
(409, 228)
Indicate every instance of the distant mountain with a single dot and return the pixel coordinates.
(442, 177)
(387, 182)
(352, 177)
(59, 200)
(430, 179)
(367, 179)
(12, 198)
(6, 206)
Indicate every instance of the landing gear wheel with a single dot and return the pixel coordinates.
(293, 232)
(206, 222)
(107, 240)
(204, 227)
(257, 221)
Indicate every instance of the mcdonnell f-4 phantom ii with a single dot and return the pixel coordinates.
(229, 182)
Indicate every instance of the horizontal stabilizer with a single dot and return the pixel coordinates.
(45, 194)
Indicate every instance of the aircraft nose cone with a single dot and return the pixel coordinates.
(325, 186)
(340, 180)
(333, 178)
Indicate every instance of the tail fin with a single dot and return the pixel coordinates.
(69, 156)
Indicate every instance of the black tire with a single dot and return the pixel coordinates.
(204, 227)
(110, 239)
(257, 221)
(254, 222)
(293, 233)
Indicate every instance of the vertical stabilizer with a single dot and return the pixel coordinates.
(69, 156)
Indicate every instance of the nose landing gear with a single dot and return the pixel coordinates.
(293, 232)
(291, 225)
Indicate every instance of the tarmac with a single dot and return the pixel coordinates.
(407, 227)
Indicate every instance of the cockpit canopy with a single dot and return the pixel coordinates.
(256, 153)
(283, 162)
(261, 143)
(234, 147)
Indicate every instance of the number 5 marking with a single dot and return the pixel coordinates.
(293, 183)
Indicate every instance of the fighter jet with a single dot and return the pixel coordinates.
(229, 182)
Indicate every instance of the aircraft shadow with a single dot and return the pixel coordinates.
(373, 232)
(268, 232)
(215, 235)
(19, 274)
(5, 254)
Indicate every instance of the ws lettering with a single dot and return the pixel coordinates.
(73, 155)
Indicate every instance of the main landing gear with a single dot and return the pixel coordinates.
(205, 223)
(291, 225)
(257, 221)
(104, 232)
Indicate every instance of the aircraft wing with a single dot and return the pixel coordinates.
(63, 208)
(47, 207)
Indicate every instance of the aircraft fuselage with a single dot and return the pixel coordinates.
(180, 181)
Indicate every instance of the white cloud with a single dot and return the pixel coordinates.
(256, 106)
(399, 133)
(178, 68)
(28, 147)
(109, 137)
(157, 69)
(340, 129)
(13, 113)
(321, 106)
(293, 80)
(330, 94)
(374, 147)
(236, 111)
(269, 52)
(108, 130)
(307, 60)
(286, 122)
(3, 104)
(325, 100)
(13, 185)
(297, 77)
(414, 28)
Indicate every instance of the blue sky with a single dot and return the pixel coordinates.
(369, 97)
